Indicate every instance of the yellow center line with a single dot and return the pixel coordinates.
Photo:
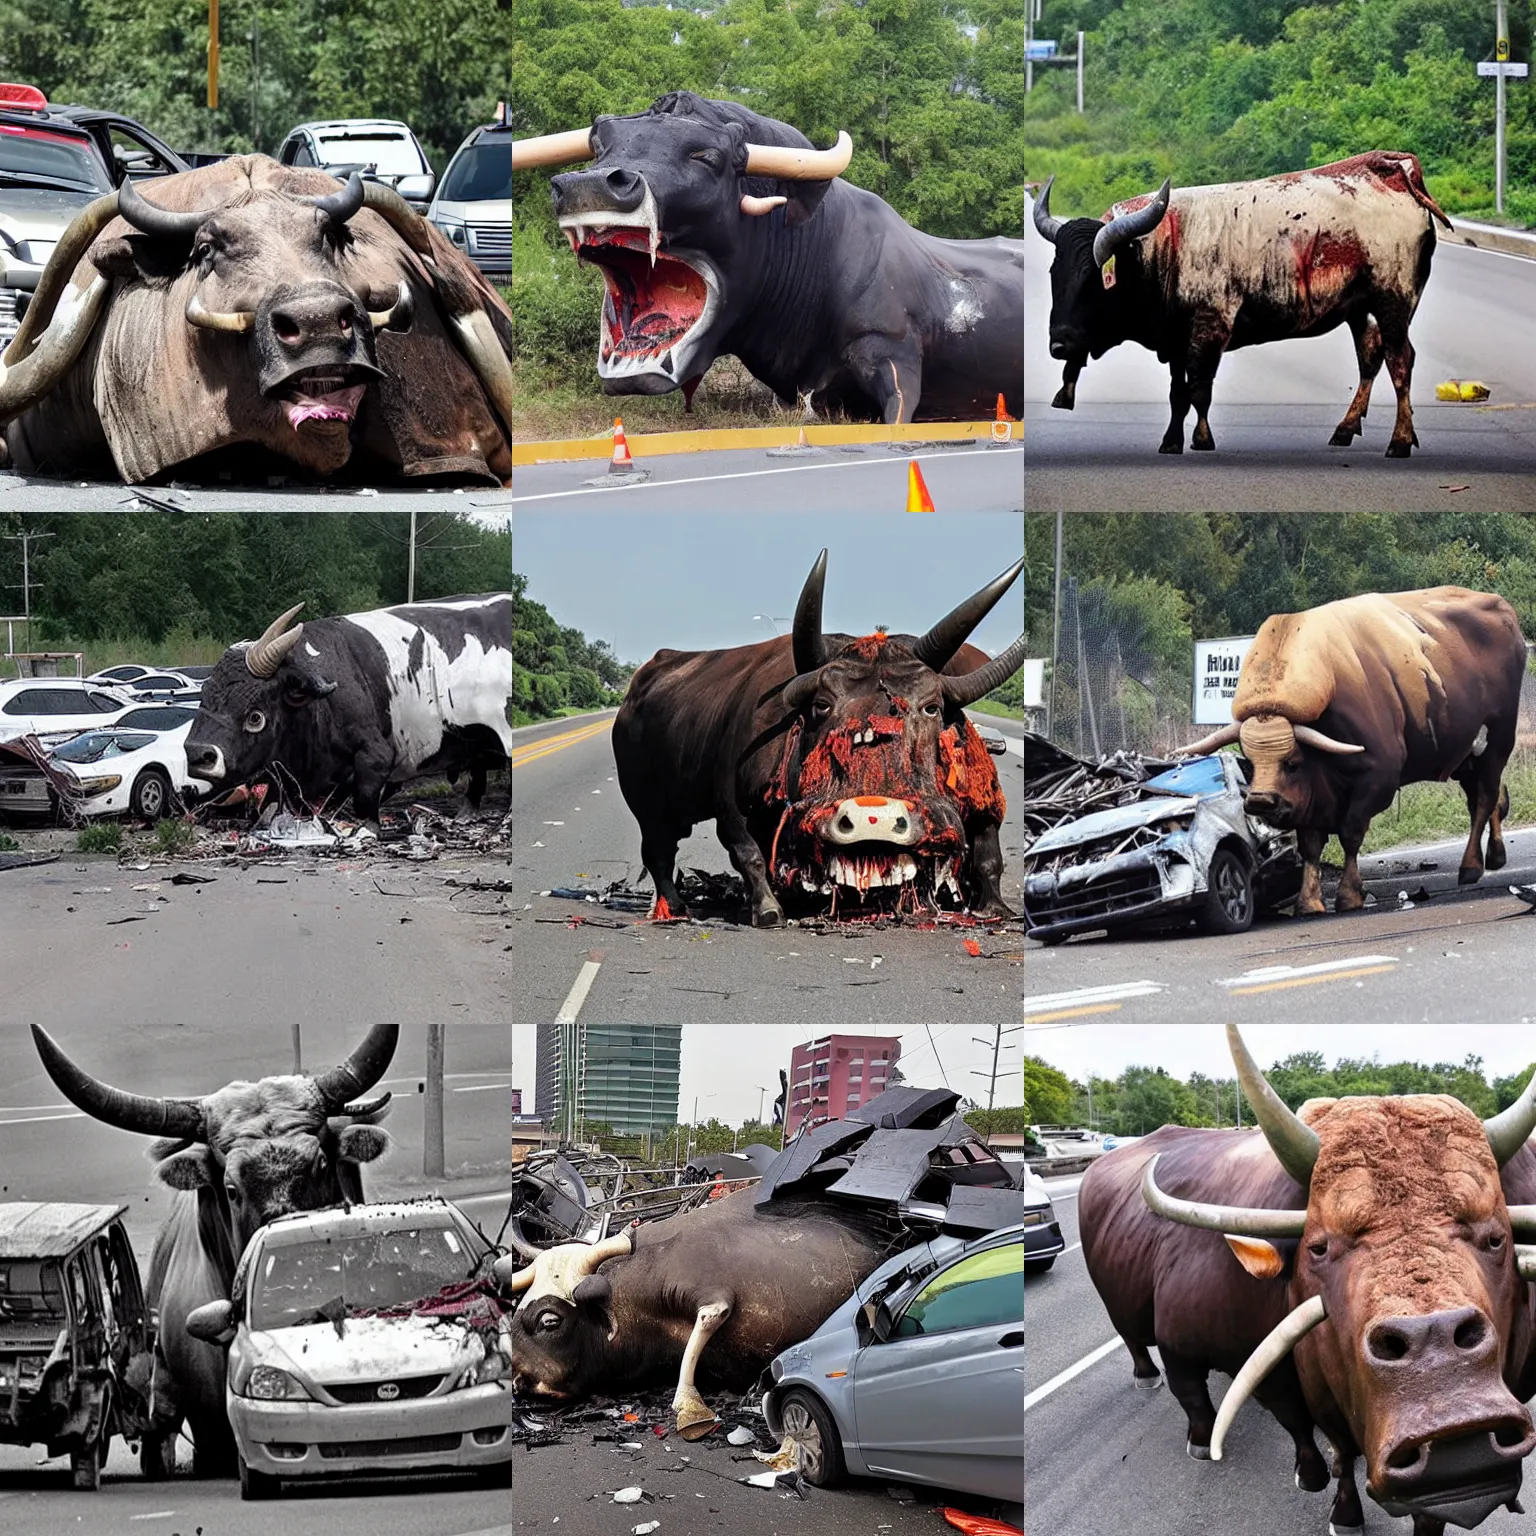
(1069, 1013)
(551, 744)
(1311, 981)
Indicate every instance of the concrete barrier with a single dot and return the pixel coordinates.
(1491, 237)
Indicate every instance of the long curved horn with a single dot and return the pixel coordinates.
(1048, 226)
(262, 658)
(552, 149)
(810, 646)
(937, 648)
(73, 244)
(401, 217)
(1131, 226)
(1240, 1220)
(514, 1280)
(800, 164)
(1295, 1144)
(25, 380)
(383, 319)
(1212, 743)
(179, 1118)
(1282, 1339)
(492, 366)
(361, 1070)
(977, 683)
(240, 320)
(1510, 1129)
(1315, 738)
(359, 1108)
(339, 206)
(151, 219)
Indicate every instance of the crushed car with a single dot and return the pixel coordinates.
(1168, 846)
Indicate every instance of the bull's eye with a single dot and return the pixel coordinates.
(821, 708)
(1495, 1241)
(1319, 1249)
(202, 255)
(232, 1192)
(930, 709)
(255, 722)
(709, 157)
(549, 1321)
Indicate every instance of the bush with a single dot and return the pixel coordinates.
(8, 844)
(100, 837)
(174, 836)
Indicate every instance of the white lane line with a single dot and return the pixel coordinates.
(1288, 972)
(39, 1119)
(1109, 994)
(746, 474)
(484, 1088)
(1041, 1393)
(1065, 1251)
(578, 993)
(154, 1514)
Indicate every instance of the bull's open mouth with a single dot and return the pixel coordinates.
(882, 875)
(321, 394)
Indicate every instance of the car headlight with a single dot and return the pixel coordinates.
(269, 1383)
(101, 784)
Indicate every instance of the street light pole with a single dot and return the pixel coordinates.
(1501, 54)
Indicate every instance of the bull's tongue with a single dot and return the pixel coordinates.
(337, 405)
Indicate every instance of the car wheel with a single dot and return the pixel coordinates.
(1039, 1266)
(157, 1458)
(151, 795)
(1229, 895)
(256, 1485)
(806, 1418)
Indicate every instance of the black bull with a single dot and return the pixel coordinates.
(721, 231)
(776, 741)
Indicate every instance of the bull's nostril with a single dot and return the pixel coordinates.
(901, 823)
(1510, 1435)
(1386, 1344)
(286, 327)
(1471, 1333)
(844, 823)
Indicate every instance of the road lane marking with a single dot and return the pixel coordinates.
(547, 746)
(39, 1119)
(578, 993)
(1275, 978)
(1042, 1392)
(1089, 999)
(1070, 1013)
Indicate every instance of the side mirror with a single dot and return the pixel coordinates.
(213, 1322)
(876, 1317)
(417, 189)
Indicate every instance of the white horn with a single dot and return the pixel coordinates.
(1315, 738)
(1212, 743)
(800, 164)
(492, 367)
(240, 320)
(1281, 1341)
(262, 659)
(26, 380)
(1242, 1220)
(552, 149)
(760, 205)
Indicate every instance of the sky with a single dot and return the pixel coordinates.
(723, 1065)
(1107, 1049)
(694, 581)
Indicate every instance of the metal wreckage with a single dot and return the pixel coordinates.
(625, 1284)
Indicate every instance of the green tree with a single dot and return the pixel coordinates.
(1048, 1094)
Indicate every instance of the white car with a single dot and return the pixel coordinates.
(335, 1369)
(379, 148)
(55, 708)
(138, 765)
(473, 206)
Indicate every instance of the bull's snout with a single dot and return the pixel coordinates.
(1430, 1340)
(315, 315)
(204, 760)
(1263, 803)
(613, 189)
(873, 819)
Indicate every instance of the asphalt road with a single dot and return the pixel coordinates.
(571, 827)
(1460, 956)
(31, 493)
(1104, 1459)
(1275, 407)
(961, 477)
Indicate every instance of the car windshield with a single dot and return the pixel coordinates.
(481, 174)
(30, 1288)
(53, 157)
(390, 154)
(95, 745)
(315, 1281)
(157, 717)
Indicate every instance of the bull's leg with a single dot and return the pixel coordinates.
(1281, 1394)
(1351, 895)
(731, 829)
(1497, 857)
(1144, 1371)
(1309, 840)
(1428, 1525)
(1186, 1380)
(1400, 354)
(1178, 409)
(694, 1420)
(986, 896)
(1482, 804)
(1203, 363)
(1066, 397)
(893, 374)
(1368, 354)
(1346, 1518)
(658, 852)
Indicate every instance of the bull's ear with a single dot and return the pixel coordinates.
(301, 684)
(186, 1170)
(137, 256)
(594, 1296)
(1262, 1260)
(804, 199)
(362, 1143)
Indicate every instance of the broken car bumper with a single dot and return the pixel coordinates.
(1107, 892)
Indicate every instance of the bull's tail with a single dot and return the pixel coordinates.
(1397, 165)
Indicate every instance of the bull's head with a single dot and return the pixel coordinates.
(1287, 787)
(254, 706)
(253, 1151)
(883, 779)
(667, 213)
(1408, 1295)
(1080, 280)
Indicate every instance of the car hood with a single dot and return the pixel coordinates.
(38, 213)
(490, 211)
(1120, 818)
(370, 1348)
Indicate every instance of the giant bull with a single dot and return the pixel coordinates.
(1196, 273)
(1339, 706)
(832, 765)
(718, 230)
(712, 1294)
(362, 702)
(249, 316)
(1354, 1268)
(245, 1155)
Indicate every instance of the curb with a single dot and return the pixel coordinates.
(1490, 237)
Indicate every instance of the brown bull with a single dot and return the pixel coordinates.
(1339, 706)
(1354, 1268)
(267, 317)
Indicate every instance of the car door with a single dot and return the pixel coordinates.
(941, 1400)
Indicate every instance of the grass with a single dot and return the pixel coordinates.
(179, 648)
(174, 836)
(8, 844)
(100, 837)
(992, 707)
(522, 717)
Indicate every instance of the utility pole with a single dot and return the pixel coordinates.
(25, 540)
(410, 565)
(996, 1042)
(1050, 698)
(432, 1165)
(1080, 71)
(1501, 57)
(760, 1092)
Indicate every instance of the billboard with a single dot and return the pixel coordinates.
(1217, 664)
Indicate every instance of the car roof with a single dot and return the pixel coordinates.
(52, 1229)
(56, 682)
(352, 1221)
(352, 122)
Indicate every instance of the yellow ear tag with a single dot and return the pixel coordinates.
(1109, 273)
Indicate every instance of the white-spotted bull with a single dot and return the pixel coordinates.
(713, 1294)
(1339, 706)
(363, 702)
(244, 1155)
(248, 316)
(1198, 272)
(721, 231)
(831, 765)
(1355, 1268)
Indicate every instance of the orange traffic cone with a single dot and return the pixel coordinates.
(918, 499)
(800, 442)
(621, 463)
(1002, 415)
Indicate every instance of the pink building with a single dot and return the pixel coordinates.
(835, 1074)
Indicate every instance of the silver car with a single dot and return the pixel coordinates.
(378, 148)
(918, 1375)
(473, 206)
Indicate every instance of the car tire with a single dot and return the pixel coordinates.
(805, 1416)
(157, 1458)
(1229, 899)
(1039, 1266)
(150, 798)
(257, 1485)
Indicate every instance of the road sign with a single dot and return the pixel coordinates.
(1217, 665)
(1038, 48)
(1509, 71)
(1501, 51)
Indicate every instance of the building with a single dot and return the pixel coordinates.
(517, 1101)
(837, 1073)
(623, 1075)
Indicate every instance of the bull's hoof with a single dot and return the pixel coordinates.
(1313, 908)
(769, 915)
(698, 1430)
(1146, 1383)
(1345, 1530)
(1396, 450)
(1469, 874)
(1064, 399)
(1497, 857)
(1316, 1478)
(1171, 445)
(1197, 1452)
(694, 1419)
(1202, 442)
(1343, 437)
(1348, 901)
